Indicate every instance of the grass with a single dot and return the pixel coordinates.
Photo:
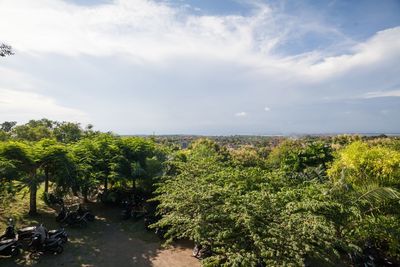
(18, 208)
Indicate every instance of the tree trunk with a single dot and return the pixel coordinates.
(105, 184)
(32, 197)
(85, 196)
(133, 184)
(46, 180)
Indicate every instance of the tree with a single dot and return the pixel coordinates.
(56, 164)
(368, 176)
(34, 130)
(247, 156)
(135, 152)
(7, 126)
(363, 165)
(20, 155)
(242, 215)
(98, 158)
(67, 132)
(300, 156)
(5, 50)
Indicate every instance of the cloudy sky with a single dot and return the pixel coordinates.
(204, 66)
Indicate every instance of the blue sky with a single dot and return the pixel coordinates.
(204, 66)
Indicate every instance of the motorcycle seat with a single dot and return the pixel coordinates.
(27, 229)
(6, 241)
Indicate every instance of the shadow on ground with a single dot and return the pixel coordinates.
(108, 241)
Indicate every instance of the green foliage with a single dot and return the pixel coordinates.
(247, 156)
(115, 162)
(250, 205)
(294, 156)
(244, 215)
(67, 132)
(360, 165)
(370, 176)
(34, 130)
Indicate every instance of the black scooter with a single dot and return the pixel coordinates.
(23, 233)
(53, 245)
(201, 252)
(84, 212)
(51, 199)
(67, 218)
(9, 233)
(10, 247)
(127, 210)
(26, 233)
(132, 210)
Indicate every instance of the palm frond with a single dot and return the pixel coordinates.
(380, 194)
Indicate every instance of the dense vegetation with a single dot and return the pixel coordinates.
(255, 202)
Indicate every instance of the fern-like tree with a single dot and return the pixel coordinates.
(5, 50)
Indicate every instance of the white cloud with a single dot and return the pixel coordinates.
(384, 46)
(241, 114)
(154, 31)
(392, 93)
(167, 69)
(23, 106)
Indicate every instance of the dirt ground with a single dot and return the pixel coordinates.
(108, 241)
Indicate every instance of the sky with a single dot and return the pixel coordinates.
(210, 67)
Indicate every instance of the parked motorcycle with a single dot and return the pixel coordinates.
(201, 252)
(27, 233)
(127, 210)
(53, 245)
(68, 218)
(52, 199)
(9, 233)
(84, 212)
(23, 233)
(132, 210)
(10, 247)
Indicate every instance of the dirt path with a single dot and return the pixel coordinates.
(111, 242)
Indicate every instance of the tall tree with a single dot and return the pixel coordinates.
(22, 157)
(5, 50)
(56, 164)
(67, 132)
(34, 130)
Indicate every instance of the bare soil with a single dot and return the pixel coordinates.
(108, 241)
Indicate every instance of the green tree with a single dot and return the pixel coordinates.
(22, 157)
(5, 50)
(243, 215)
(34, 130)
(67, 132)
(56, 164)
(368, 177)
(300, 156)
(362, 165)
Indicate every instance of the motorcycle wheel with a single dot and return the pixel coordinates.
(34, 255)
(83, 223)
(15, 252)
(90, 217)
(59, 249)
(125, 216)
